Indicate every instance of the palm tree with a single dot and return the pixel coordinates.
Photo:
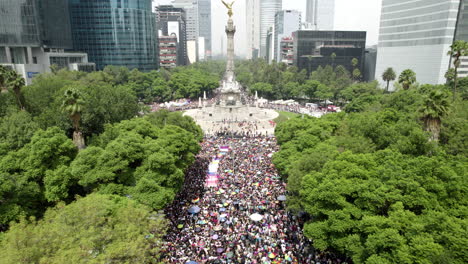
(4, 76)
(16, 83)
(72, 104)
(333, 57)
(407, 78)
(388, 76)
(458, 49)
(436, 105)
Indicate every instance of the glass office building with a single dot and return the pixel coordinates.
(313, 48)
(115, 32)
(417, 34)
(268, 9)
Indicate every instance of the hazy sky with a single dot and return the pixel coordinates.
(353, 15)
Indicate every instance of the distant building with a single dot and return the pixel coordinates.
(461, 33)
(269, 56)
(268, 9)
(286, 22)
(168, 51)
(204, 29)
(417, 35)
(287, 51)
(314, 48)
(370, 61)
(171, 21)
(320, 14)
(252, 10)
(115, 32)
(31, 40)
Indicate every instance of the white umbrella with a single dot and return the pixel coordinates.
(256, 217)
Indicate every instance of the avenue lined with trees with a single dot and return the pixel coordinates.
(81, 159)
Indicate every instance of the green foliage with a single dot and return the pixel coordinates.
(23, 173)
(94, 229)
(16, 130)
(376, 187)
(164, 117)
(133, 157)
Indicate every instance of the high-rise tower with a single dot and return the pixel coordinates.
(320, 14)
(268, 9)
(115, 32)
(417, 35)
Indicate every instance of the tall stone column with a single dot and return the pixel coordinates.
(230, 31)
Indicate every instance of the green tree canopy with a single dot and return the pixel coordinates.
(94, 229)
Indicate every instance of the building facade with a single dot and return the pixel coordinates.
(114, 32)
(320, 14)
(204, 29)
(252, 11)
(286, 22)
(171, 21)
(417, 35)
(167, 51)
(314, 48)
(31, 40)
(461, 33)
(268, 9)
(287, 51)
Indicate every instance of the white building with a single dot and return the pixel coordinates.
(268, 9)
(252, 10)
(320, 14)
(286, 22)
(31, 61)
(417, 35)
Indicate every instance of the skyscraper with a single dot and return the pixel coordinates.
(191, 17)
(35, 34)
(252, 10)
(115, 32)
(320, 14)
(286, 22)
(204, 27)
(268, 9)
(417, 35)
(171, 22)
(461, 33)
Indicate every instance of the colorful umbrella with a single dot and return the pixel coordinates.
(271, 255)
(196, 200)
(194, 210)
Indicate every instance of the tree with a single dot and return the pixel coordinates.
(72, 105)
(4, 76)
(458, 49)
(435, 107)
(388, 75)
(333, 57)
(16, 82)
(263, 89)
(407, 78)
(94, 229)
(356, 72)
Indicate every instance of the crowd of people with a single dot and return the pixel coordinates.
(243, 219)
(237, 128)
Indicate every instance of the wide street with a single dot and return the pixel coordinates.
(240, 217)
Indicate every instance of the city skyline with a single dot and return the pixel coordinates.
(362, 15)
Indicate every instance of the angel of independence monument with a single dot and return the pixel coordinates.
(230, 90)
(230, 104)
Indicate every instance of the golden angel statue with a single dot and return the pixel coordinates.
(229, 7)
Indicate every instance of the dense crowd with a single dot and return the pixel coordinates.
(223, 230)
